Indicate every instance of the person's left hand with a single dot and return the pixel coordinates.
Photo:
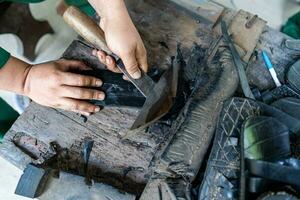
(54, 85)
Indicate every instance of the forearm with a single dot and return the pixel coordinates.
(110, 8)
(13, 75)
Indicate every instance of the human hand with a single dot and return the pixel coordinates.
(53, 84)
(123, 40)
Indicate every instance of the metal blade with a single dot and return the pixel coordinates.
(158, 104)
(238, 62)
(145, 84)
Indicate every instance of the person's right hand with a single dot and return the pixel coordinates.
(121, 37)
(124, 40)
(53, 84)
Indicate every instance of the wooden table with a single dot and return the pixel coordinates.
(129, 164)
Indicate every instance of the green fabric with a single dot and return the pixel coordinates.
(83, 5)
(23, 1)
(292, 27)
(7, 117)
(4, 56)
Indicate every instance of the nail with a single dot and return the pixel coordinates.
(101, 96)
(94, 52)
(97, 109)
(108, 60)
(125, 78)
(102, 58)
(137, 74)
(99, 83)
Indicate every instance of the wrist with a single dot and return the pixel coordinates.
(26, 80)
(13, 76)
(110, 10)
(106, 8)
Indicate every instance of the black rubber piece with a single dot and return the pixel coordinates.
(274, 171)
(289, 105)
(265, 138)
(292, 123)
(293, 76)
(119, 93)
(224, 166)
(257, 184)
(279, 93)
(267, 153)
(33, 181)
(279, 195)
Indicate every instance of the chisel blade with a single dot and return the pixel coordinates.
(158, 104)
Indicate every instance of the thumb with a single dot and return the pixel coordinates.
(131, 65)
(141, 56)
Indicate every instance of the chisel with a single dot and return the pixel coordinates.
(159, 96)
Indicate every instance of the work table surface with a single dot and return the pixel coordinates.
(129, 161)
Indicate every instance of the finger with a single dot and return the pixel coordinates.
(82, 93)
(125, 78)
(131, 65)
(102, 57)
(79, 105)
(72, 79)
(68, 65)
(82, 112)
(141, 56)
(94, 52)
(111, 65)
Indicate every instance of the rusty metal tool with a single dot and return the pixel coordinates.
(237, 61)
(158, 95)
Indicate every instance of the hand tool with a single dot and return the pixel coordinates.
(158, 95)
(238, 62)
(88, 144)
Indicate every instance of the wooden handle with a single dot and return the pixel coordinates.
(86, 28)
(90, 31)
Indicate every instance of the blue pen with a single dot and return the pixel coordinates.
(272, 71)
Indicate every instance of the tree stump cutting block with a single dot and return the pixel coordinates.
(124, 164)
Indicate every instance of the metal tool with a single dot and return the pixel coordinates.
(88, 144)
(158, 95)
(238, 62)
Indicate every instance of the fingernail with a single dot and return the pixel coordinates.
(97, 109)
(125, 78)
(102, 58)
(101, 96)
(108, 61)
(94, 52)
(98, 83)
(137, 74)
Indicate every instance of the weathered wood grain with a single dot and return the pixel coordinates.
(205, 11)
(125, 164)
(128, 164)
